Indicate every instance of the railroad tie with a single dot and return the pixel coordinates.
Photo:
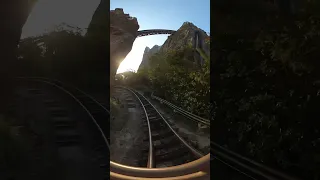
(169, 154)
(58, 111)
(35, 91)
(131, 105)
(145, 105)
(162, 134)
(67, 138)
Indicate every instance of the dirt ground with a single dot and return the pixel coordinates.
(125, 130)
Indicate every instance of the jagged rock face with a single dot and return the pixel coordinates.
(123, 32)
(147, 54)
(183, 37)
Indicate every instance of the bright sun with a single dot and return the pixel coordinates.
(134, 58)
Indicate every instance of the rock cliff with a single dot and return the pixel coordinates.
(123, 32)
(147, 54)
(183, 37)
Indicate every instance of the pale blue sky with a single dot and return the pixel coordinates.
(164, 14)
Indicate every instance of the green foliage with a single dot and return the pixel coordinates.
(175, 77)
(63, 53)
(266, 92)
(203, 55)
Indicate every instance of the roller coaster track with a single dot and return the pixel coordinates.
(196, 169)
(165, 144)
(154, 32)
(69, 136)
(247, 167)
(168, 155)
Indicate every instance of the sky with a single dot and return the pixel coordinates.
(164, 14)
(48, 13)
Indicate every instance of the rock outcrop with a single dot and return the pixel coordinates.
(183, 37)
(123, 32)
(146, 56)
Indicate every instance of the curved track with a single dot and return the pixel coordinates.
(163, 145)
(67, 135)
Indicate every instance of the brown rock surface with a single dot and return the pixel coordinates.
(123, 32)
(183, 37)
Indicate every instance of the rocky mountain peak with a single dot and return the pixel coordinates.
(146, 50)
(187, 24)
(183, 37)
(147, 54)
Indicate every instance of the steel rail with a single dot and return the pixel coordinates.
(251, 169)
(151, 162)
(258, 169)
(247, 160)
(191, 170)
(86, 94)
(232, 167)
(223, 155)
(77, 100)
(183, 112)
(195, 170)
(198, 118)
(194, 151)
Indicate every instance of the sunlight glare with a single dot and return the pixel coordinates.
(134, 58)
